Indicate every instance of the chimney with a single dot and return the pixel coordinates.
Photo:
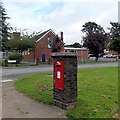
(16, 35)
(62, 36)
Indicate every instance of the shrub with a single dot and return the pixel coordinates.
(18, 57)
(6, 63)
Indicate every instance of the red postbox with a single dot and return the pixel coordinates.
(59, 75)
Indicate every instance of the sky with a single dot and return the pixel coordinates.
(61, 15)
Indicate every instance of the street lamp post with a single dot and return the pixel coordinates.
(119, 12)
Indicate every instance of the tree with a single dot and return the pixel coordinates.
(115, 36)
(55, 44)
(95, 39)
(75, 45)
(21, 43)
(92, 27)
(96, 43)
(5, 27)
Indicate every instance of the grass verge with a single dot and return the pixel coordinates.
(97, 92)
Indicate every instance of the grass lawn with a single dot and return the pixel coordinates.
(17, 65)
(97, 92)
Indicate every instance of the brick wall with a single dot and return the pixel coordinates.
(83, 54)
(29, 55)
(42, 49)
(111, 52)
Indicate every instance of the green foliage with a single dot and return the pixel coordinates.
(115, 36)
(18, 57)
(5, 27)
(21, 44)
(43, 62)
(6, 63)
(92, 27)
(95, 39)
(75, 45)
(97, 91)
(96, 43)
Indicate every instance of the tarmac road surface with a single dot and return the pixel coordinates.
(11, 73)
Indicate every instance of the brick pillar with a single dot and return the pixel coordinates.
(66, 98)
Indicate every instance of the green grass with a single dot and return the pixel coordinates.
(17, 65)
(97, 92)
(86, 61)
(37, 86)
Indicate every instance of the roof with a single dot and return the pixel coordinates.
(70, 48)
(40, 36)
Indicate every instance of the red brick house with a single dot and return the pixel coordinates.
(83, 52)
(107, 51)
(46, 41)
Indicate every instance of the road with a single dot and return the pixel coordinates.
(22, 71)
(11, 73)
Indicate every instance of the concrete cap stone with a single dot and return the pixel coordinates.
(64, 54)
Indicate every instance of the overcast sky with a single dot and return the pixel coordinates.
(61, 15)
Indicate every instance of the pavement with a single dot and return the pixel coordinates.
(17, 105)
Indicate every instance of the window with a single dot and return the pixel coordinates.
(50, 42)
(74, 51)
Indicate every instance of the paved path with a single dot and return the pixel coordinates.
(16, 105)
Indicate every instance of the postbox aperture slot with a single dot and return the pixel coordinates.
(58, 65)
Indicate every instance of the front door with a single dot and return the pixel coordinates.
(43, 58)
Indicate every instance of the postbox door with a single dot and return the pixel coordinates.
(59, 75)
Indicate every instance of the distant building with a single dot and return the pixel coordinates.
(48, 42)
(107, 51)
(83, 52)
(45, 43)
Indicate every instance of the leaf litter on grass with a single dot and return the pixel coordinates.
(115, 114)
(41, 87)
